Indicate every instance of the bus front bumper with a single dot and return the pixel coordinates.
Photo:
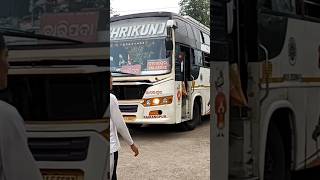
(148, 115)
(151, 121)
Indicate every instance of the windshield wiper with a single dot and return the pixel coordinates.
(27, 34)
(120, 72)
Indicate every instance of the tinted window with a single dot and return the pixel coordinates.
(182, 28)
(206, 38)
(284, 6)
(198, 58)
(206, 60)
(312, 8)
(190, 32)
(197, 34)
(59, 97)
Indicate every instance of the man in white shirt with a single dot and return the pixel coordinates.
(16, 160)
(117, 125)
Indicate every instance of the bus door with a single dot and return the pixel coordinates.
(185, 55)
(221, 16)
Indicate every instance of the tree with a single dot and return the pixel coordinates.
(197, 9)
(112, 11)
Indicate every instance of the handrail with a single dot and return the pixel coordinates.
(266, 76)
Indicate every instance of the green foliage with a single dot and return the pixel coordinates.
(197, 9)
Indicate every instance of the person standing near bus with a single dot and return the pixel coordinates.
(117, 124)
(16, 160)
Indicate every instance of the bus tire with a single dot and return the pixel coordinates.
(275, 159)
(192, 124)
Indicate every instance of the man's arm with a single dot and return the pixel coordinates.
(16, 158)
(118, 120)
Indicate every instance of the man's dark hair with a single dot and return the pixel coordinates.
(2, 42)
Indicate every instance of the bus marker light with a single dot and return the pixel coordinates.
(165, 100)
(148, 102)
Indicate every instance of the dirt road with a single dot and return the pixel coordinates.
(167, 154)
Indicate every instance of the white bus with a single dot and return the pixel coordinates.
(275, 129)
(161, 69)
(60, 88)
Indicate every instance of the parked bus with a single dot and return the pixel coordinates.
(59, 86)
(274, 131)
(160, 64)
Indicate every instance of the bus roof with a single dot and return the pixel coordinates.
(143, 15)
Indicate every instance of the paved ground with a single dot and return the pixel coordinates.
(167, 154)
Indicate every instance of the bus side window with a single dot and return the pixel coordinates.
(198, 58)
(283, 6)
(206, 60)
(197, 35)
(206, 39)
(202, 38)
(312, 8)
(190, 32)
(197, 63)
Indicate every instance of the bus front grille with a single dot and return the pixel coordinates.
(128, 108)
(59, 149)
(129, 92)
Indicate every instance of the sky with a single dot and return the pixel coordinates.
(124, 7)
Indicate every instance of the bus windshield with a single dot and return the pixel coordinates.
(140, 57)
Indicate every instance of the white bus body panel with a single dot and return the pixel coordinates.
(296, 87)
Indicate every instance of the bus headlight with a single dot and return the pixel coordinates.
(157, 101)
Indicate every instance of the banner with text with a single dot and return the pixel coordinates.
(79, 26)
(143, 28)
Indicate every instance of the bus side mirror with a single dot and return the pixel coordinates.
(230, 7)
(169, 45)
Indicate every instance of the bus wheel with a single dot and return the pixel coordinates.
(191, 124)
(275, 161)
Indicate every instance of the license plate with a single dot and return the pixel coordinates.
(129, 118)
(61, 177)
(62, 174)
